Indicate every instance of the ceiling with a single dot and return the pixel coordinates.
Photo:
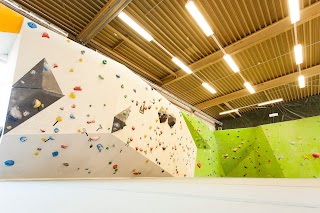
(257, 33)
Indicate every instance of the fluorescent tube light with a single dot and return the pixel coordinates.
(294, 10)
(302, 82)
(298, 53)
(270, 102)
(124, 17)
(197, 16)
(209, 88)
(228, 112)
(273, 115)
(181, 65)
(249, 87)
(231, 63)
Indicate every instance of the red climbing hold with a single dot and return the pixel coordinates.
(91, 122)
(133, 128)
(137, 148)
(64, 146)
(42, 130)
(77, 88)
(199, 165)
(316, 155)
(115, 166)
(55, 66)
(45, 35)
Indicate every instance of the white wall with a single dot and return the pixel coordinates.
(180, 150)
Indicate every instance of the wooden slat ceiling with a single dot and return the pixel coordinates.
(171, 25)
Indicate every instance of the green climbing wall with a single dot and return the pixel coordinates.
(269, 151)
(293, 143)
(236, 148)
(207, 152)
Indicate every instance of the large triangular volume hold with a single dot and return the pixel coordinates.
(33, 78)
(119, 121)
(49, 82)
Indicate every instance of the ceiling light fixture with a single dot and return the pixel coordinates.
(270, 102)
(209, 88)
(249, 87)
(124, 17)
(197, 16)
(181, 65)
(298, 53)
(294, 10)
(231, 63)
(302, 82)
(228, 112)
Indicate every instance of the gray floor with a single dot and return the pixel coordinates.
(161, 195)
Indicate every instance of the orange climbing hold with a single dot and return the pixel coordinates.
(199, 165)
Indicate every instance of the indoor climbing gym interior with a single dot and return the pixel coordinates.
(161, 106)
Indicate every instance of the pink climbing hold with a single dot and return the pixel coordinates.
(77, 88)
(45, 35)
(73, 106)
(95, 138)
(316, 155)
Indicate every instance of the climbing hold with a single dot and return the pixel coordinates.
(110, 162)
(306, 157)
(137, 148)
(8, 127)
(133, 128)
(95, 138)
(36, 104)
(199, 165)
(81, 60)
(122, 86)
(55, 66)
(25, 113)
(99, 147)
(65, 164)
(134, 90)
(72, 116)
(64, 146)
(55, 154)
(58, 119)
(91, 122)
(125, 96)
(104, 61)
(23, 139)
(101, 77)
(226, 156)
(234, 150)
(9, 163)
(316, 155)
(71, 70)
(118, 76)
(56, 130)
(36, 153)
(115, 166)
(73, 106)
(292, 143)
(32, 25)
(42, 130)
(77, 88)
(68, 41)
(45, 35)
(83, 52)
(72, 95)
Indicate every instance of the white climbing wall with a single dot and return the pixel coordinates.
(144, 147)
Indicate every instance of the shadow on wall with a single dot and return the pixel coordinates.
(302, 108)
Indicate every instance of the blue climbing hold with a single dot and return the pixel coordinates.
(55, 154)
(23, 139)
(51, 138)
(32, 25)
(46, 68)
(99, 147)
(9, 163)
(72, 116)
(118, 76)
(56, 130)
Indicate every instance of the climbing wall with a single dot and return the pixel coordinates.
(208, 161)
(76, 113)
(296, 146)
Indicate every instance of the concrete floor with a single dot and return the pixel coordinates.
(161, 195)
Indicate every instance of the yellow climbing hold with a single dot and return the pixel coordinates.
(150, 127)
(68, 41)
(43, 139)
(157, 120)
(71, 70)
(145, 136)
(72, 95)
(306, 157)
(147, 161)
(9, 127)
(36, 153)
(81, 60)
(36, 103)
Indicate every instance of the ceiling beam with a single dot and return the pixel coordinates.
(104, 49)
(312, 71)
(230, 107)
(225, 110)
(275, 29)
(106, 14)
(136, 47)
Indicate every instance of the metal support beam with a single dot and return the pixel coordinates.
(312, 71)
(101, 19)
(136, 47)
(225, 110)
(230, 107)
(105, 49)
(275, 29)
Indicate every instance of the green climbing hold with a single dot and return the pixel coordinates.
(110, 162)
(101, 77)
(104, 62)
